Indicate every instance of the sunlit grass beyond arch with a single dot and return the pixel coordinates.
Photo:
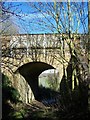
(49, 79)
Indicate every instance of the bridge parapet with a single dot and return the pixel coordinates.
(35, 40)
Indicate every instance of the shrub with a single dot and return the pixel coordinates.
(8, 91)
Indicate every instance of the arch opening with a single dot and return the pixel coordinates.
(31, 71)
(49, 85)
(49, 79)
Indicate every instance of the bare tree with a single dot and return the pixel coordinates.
(71, 20)
(68, 18)
(7, 24)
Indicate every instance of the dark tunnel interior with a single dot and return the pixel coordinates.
(31, 72)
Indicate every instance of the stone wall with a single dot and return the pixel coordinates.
(18, 50)
(24, 89)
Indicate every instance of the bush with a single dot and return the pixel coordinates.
(8, 91)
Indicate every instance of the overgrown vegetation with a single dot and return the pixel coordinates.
(47, 93)
(74, 91)
(9, 92)
(10, 96)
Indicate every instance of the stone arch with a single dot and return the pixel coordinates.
(48, 59)
(30, 71)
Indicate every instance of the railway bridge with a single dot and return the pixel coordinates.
(26, 56)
